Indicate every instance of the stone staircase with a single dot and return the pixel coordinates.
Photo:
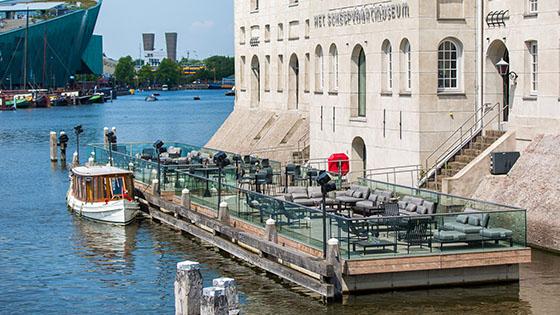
(464, 157)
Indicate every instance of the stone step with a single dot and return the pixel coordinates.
(432, 186)
(494, 133)
(488, 140)
(447, 173)
(472, 152)
(464, 158)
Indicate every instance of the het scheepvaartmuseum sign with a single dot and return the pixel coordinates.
(362, 14)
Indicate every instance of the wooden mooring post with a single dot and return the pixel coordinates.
(52, 145)
(214, 302)
(188, 288)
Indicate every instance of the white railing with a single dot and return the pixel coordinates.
(459, 139)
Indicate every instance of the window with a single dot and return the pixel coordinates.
(319, 69)
(242, 35)
(306, 73)
(254, 5)
(533, 6)
(362, 84)
(242, 72)
(280, 76)
(388, 55)
(333, 80)
(267, 33)
(280, 31)
(448, 66)
(267, 73)
(405, 66)
(307, 28)
(533, 51)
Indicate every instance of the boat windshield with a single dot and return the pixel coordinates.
(117, 187)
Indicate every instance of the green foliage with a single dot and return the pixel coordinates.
(145, 75)
(168, 72)
(124, 71)
(224, 66)
(184, 62)
(87, 77)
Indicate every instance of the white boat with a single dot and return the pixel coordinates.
(103, 193)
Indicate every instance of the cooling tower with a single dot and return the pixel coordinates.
(171, 41)
(148, 41)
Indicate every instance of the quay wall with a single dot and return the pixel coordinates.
(532, 183)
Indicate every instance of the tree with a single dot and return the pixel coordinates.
(145, 75)
(124, 71)
(224, 66)
(168, 72)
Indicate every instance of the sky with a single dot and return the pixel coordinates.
(205, 28)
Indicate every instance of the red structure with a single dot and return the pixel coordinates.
(337, 159)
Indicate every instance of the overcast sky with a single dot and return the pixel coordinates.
(205, 28)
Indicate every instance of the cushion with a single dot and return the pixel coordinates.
(496, 233)
(372, 197)
(407, 198)
(314, 192)
(364, 191)
(417, 201)
(349, 192)
(450, 235)
(421, 210)
(357, 194)
(305, 202)
(430, 206)
(411, 207)
(484, 220)
(297, 189)
(298, 195)
(474, 220)
(467, 228)
(462, 219)
(402, 204)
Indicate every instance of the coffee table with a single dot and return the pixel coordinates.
(375, 242)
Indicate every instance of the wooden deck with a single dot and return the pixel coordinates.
(303, 264)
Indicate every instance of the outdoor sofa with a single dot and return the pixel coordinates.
(412, 206)
(307, 196)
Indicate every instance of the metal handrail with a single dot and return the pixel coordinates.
(458, 144)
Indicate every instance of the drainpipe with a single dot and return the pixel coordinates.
(480, 60)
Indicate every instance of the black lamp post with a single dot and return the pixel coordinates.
(158, 145)
(503, 70)
(221, 161)
(78, 129)
(111, 138)
(324, 181)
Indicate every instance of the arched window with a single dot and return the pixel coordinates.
(362, 84)
(405, 66)
(388, 66)
(448, 65)
(319, 69)
(333, 52)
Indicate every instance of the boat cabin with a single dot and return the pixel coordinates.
(102, 184)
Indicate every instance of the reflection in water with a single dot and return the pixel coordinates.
(108, 248)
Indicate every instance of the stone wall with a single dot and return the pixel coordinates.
(533, 183)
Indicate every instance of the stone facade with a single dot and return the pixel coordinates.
(413, 85)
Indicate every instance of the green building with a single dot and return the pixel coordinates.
(56, 45)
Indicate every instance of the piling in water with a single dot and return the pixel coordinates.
(188, 288)
(214, 302)
(53, 145)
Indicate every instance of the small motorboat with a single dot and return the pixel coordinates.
(196, 98)
(102, 193)
(155, 94)
(230, 92)
(150, 98)
(97, 98)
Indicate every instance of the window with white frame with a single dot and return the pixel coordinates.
(280, 74)
(242, 72)
(533, 6)
(333, 52)
(407, 67)
(533, 52)
(254, 5)
(319, 69)
(448, 66)
(280, 31)
(267, 73)
(307, 63)
(242, 35)
(388, 66)
(267, 33)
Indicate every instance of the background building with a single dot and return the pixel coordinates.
(153, 56)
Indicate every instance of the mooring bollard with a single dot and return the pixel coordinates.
(188, 288)
(105, 140)
(186, 198)
(53, 145)
(131, 167)
(270, 232)
(155, 184)
(154, 174)
(214, 302)
(223, 213)
(333, 258)
(228, 284)
(63, 143)
(75, 161)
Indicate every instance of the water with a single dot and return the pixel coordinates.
(54, 262)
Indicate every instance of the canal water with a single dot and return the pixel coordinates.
(54, 262)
